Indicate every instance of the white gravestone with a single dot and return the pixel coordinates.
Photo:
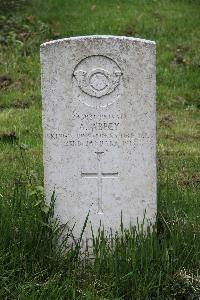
(100, 130)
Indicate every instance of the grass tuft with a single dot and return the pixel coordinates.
(160, 263)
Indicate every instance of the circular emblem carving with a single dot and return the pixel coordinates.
(97, 76)
(98, 79)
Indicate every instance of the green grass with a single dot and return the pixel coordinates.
(162, 265)
(158, 264)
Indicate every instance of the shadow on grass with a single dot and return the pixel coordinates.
(11, 6)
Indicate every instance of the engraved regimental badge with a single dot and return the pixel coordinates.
(97, 76)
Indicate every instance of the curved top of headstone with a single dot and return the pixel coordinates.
(95, 37)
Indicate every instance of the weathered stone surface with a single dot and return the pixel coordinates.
(99, 129)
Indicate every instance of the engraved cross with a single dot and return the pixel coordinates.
(100, 175)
